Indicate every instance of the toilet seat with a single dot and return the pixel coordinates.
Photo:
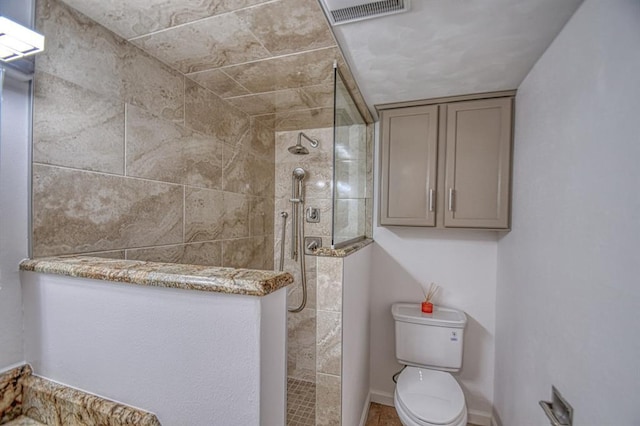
(429, 398)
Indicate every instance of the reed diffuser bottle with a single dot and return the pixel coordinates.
(427, 305)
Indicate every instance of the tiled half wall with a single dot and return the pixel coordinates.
(132, 159)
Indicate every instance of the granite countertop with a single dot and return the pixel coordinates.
(247, 282)
(343, 251)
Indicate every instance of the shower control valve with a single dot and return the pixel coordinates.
(313, 215)
(311, 244)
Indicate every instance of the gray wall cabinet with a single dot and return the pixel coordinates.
(446, 163)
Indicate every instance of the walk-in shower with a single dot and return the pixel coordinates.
(322, 168)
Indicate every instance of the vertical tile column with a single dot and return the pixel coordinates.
(329, 341)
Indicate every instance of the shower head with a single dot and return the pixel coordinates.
(299, 173)
(298, 149)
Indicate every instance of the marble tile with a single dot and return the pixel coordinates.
(329, 284)
(207, 113)
(204, 215)
(161, 150)
(252, 253)
(286, 72)
(148, 83)
(351, 142)
(285, 100)
(294, 99)
(351, 178)
(268, 121)
(275, 23)
(304, 119)
(322, 228)
(212, 215)
(368, 219)
(76, 127)
(206, 44)
(301, 344)
(261, 216)
(11, 396)
(115, 254)
(206, 253)
(246, 173)
(329, 343)
(349, 219)
(328, 400)
(78, 212)
(320, 95)
(58, 405)
(317, 180)
(219, 83)
(94, 58)
(262, 140)
(261, 103)
(369, 162)
(83, 52)
(131, 18)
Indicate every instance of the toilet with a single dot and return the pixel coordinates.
(430, 345)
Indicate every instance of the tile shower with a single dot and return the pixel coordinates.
(140, 155)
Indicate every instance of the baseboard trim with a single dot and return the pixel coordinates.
(383, 398)
(365, 410)
(479, 418)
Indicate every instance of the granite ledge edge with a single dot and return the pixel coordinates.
(247, 282)
(343, 251)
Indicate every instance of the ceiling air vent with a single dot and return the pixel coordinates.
(345, 11)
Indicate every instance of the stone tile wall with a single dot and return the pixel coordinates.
(329, 341)
(301, 363)
(132, 159)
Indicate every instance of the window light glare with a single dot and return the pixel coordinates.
(17, 41)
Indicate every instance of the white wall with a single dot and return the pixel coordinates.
(463, 262)
(193, 358)
(356, 292)
(568, 273)
(14, 175)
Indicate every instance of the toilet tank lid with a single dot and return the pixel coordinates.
(441, 316)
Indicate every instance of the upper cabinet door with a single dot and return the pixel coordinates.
(478, 158)
(408, 158)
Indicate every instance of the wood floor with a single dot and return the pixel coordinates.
(383, 415)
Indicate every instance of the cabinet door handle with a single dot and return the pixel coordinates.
(451, 194)
(431, 194)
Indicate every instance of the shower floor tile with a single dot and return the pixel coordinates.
(301, 403)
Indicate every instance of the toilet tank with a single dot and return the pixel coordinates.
(429, 340)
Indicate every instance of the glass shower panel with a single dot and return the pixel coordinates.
(349, 167)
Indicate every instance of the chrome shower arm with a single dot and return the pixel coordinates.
(312, 142)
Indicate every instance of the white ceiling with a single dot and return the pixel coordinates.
(450, 47)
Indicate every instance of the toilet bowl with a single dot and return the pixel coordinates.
(430, 346)
(429, 398)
